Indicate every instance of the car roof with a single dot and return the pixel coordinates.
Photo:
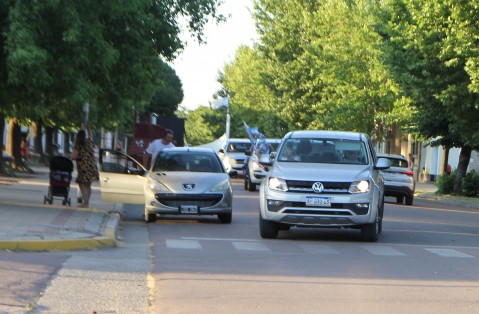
(346, 135)
(190, 149)
(391, 156)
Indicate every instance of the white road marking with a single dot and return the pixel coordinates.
(183, 244)
(383, 251)
(220, 239)
(250, 246)
(448, 253)
(318, 248)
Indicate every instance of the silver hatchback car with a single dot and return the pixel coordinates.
(323, 179)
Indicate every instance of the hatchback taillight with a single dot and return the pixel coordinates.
(409, 173)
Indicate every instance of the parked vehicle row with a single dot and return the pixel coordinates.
(328, 179)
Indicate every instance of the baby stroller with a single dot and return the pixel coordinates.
(61, 169)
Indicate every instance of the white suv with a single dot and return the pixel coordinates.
(323, 179)
(233, 154)
(253, 170)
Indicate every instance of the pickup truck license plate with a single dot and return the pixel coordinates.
(188, 209)
(318, 201)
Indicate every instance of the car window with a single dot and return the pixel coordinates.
(187, 161)
(401, 163)
(317, 150)
(237, 147)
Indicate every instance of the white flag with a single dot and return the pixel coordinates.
(219, 102)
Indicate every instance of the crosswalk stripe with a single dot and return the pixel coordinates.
(250, 246)
(448, 253)
(182, 244)
(383, 251)
(321, 249)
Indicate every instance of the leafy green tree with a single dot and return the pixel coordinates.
(57, 55)
(250, 99)
(168, 94)
(433, 53)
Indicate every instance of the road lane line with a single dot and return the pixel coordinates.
(448, 253)
(383, 251)
(183, 244)
(250, 246)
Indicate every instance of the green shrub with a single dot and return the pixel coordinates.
(445, 183)
(470, 184)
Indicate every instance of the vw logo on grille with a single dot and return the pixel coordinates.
(188, 186)
(318, 187)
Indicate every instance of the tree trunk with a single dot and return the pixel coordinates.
(15, 140)
(38, 141)
(66, 144)
(2, 130)
(464, 158)
(48, 142)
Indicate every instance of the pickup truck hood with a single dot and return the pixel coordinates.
(320, 172)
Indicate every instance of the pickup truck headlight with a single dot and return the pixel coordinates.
(155, 186)
(359, 187)
(277, 184)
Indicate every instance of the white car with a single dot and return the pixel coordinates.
(253, 170)
(233, 153)
(323, 179)
(181, 181)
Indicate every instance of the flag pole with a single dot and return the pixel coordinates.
(228, 122)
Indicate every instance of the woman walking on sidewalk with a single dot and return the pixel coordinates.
(84, 154)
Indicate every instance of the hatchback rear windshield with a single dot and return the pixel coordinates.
(187, 161)
(319, 150)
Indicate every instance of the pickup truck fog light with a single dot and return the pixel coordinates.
(362, 205)
(274, 205)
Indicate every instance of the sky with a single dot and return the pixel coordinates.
(198, 65)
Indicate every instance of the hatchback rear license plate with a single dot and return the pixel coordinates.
(318, 201)
(188, 209)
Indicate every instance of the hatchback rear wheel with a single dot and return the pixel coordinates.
(409, 200)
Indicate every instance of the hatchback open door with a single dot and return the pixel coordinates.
(122, 178)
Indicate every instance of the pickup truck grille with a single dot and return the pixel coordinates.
(329, 187)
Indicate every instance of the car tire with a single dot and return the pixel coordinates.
(381, 215)
(150, 217)
(251, 185)
(246, 182)
(284, 227)
(225, 218)
(409, 200)
(268, 229)
(399, 199)
(370, 232)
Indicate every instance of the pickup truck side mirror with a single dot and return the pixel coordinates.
(269, 162)
(382, 164)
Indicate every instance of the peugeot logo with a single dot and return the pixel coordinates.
(318, 187)
(188, 186)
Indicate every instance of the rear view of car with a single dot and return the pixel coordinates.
(323, 179)
(399, 179)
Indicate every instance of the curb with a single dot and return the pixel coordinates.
(107, 239)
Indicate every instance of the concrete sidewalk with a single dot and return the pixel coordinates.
(27, 224)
